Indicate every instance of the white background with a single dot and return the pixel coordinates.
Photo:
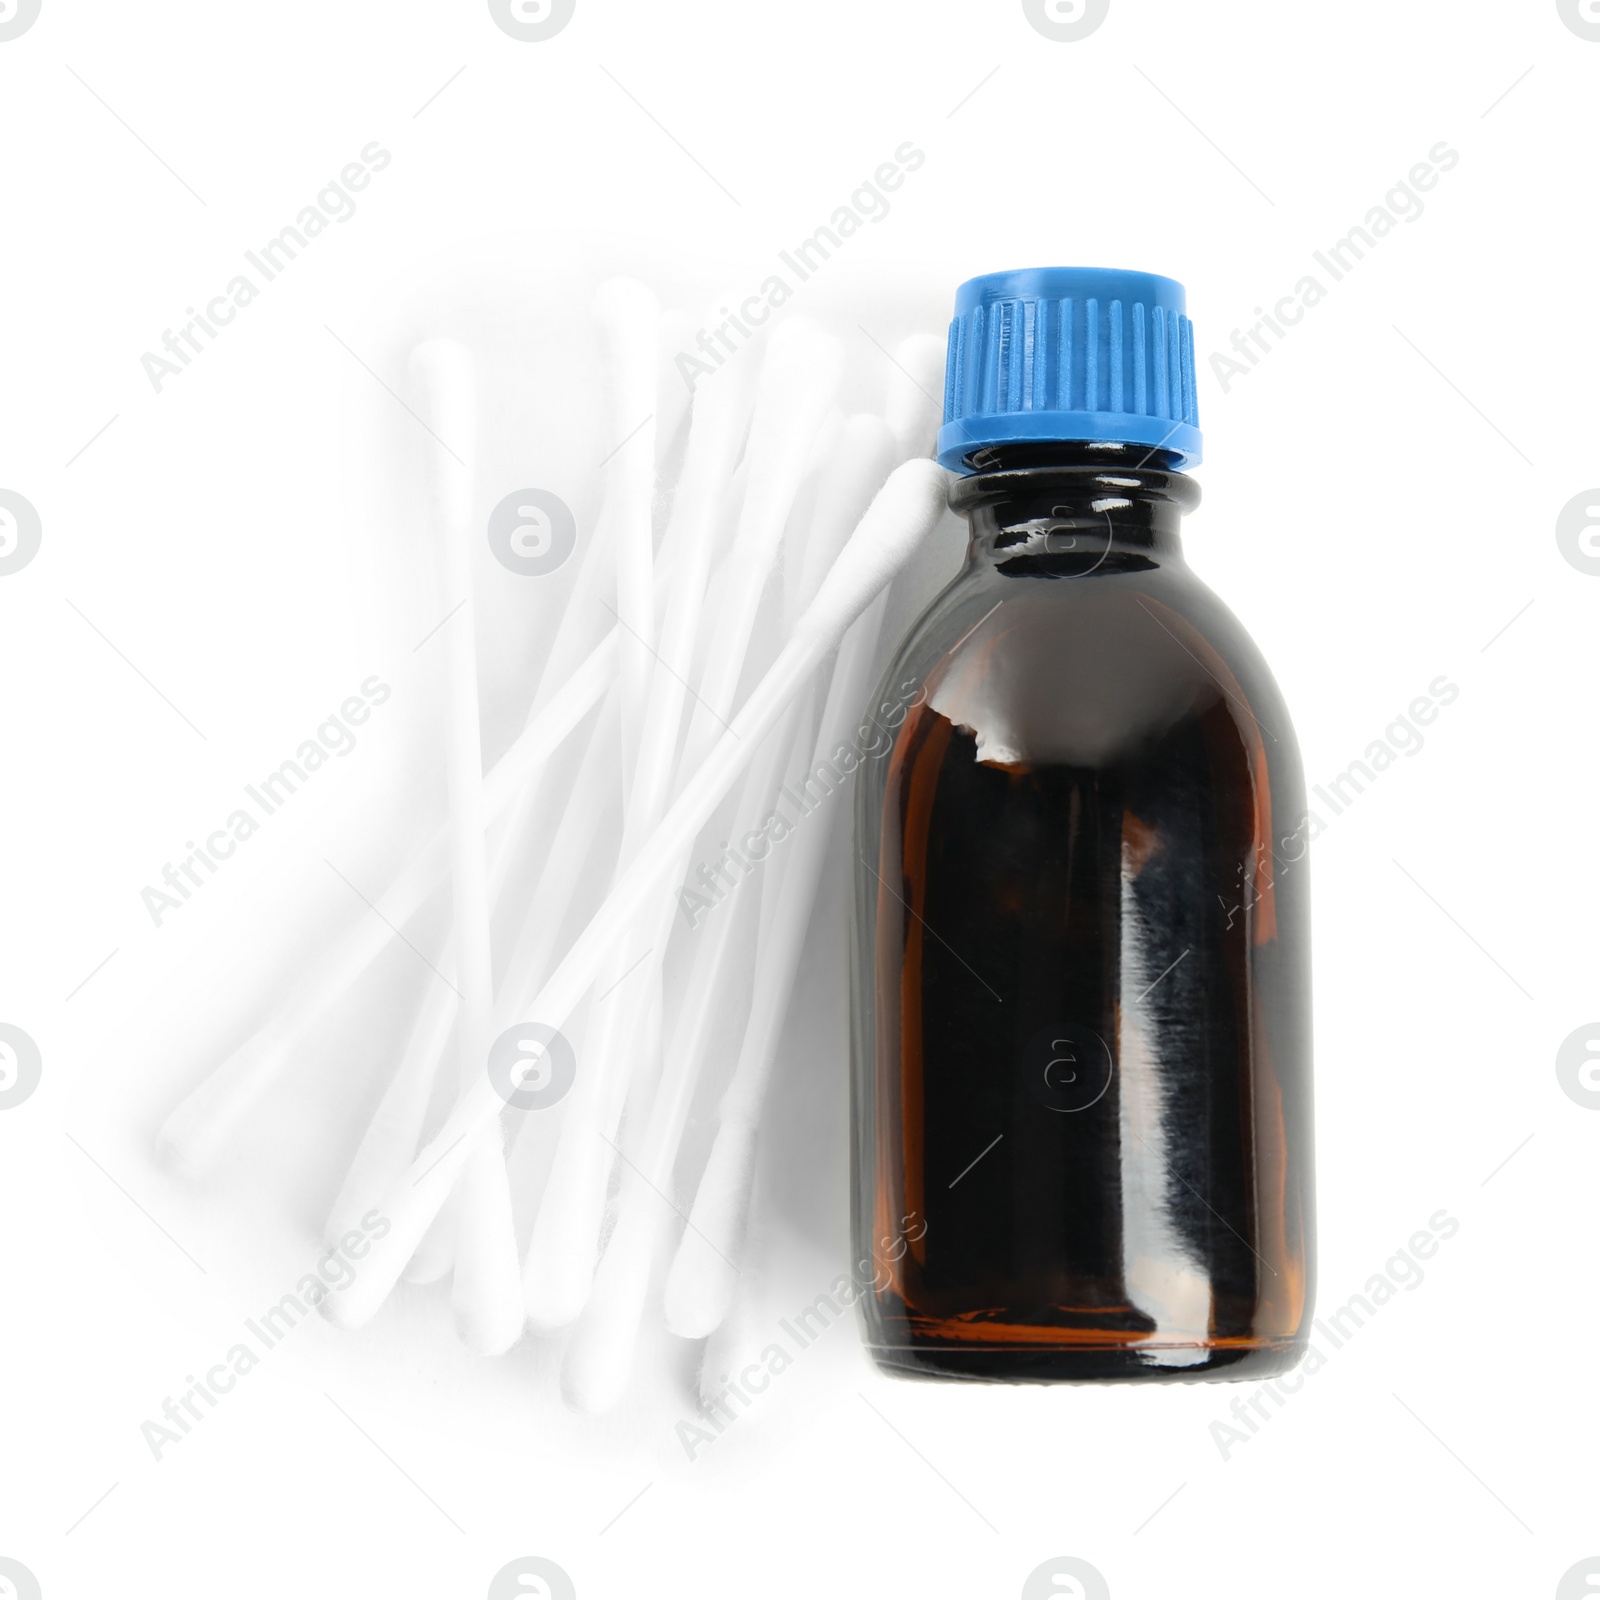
(218, 571)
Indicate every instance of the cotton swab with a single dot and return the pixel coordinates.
(200, 1127)
(206, 1120)
(626, 312)
(598, 1361)
(718, 424)
(904, 513)
(701, 1282)
(600, 1355)
(798, 378)
(485, 1293)
(395, 1132)
(798, 383)
(487, 1264)
(799, 367)
(576, 673)
(720, 420)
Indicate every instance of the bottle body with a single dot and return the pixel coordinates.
(1082, 1097)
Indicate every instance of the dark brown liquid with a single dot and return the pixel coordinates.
(1083, 1096)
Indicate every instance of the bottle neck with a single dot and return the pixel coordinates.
(1069, 510)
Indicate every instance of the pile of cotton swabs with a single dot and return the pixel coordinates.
(643, 676)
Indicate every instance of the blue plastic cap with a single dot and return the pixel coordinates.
(1059, 354)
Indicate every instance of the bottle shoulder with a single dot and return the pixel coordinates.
(1082, 669)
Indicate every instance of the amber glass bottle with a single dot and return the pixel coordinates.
(1082, 1093)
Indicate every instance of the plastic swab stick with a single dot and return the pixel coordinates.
(718, 426)
(562, 877)
(672, 393)
(905, 512)
(701, 1282)
(629, 321)
(861, 461)
(392, 1136)
(798, 382)
(485, 1292)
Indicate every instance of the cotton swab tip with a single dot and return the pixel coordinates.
(701, 1283)
(903, 513)
(914, 403)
